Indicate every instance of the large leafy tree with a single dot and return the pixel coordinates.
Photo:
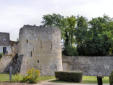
(67, 26)
(52, 20)
(100, 38)
(70, 49)
(70, 30)
(92, 38)
(55, 20)
(81, 32)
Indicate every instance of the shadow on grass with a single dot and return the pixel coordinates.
(85, 80)
(58, 81)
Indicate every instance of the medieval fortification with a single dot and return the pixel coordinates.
(38, 47)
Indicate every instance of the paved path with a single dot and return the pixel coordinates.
(47, 83)
(53, 83)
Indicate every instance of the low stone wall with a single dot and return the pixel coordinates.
(4, 62)
(89, 65)
(13, 61)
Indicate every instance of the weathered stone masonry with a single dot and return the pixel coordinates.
(40, 48)
(89, 65)
(8, 49)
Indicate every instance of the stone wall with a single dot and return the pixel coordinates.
(40, 48)
(4, 62)
(89, 65)
(9, 50)
(15, 63)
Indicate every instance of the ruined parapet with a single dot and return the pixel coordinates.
(40, 48)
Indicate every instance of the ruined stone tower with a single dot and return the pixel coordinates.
(40, 48)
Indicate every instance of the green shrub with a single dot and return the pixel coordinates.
(70, 51)
(69, 76)
(17, 78)
(31, 76)
(111, 78)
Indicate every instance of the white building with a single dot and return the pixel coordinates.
(5, 47)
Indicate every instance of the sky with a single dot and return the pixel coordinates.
(16, 13)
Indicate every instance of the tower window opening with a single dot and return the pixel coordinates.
(31, 53)
(37, 61)
(26, 41)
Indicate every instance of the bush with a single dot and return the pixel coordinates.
(70, 51)
(111, 78)
(31, 76)
(17, 78)
(69, 76)
(95, 47)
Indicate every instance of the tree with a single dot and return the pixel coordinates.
(92, 37)
(54, 20)
(81, 32)
(100, 39)
(70, 30)
(67, 26)
(69, 44)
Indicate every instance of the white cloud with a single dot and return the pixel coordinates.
(15, 13)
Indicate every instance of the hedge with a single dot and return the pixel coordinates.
(69, 76)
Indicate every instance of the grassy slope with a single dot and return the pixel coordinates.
(86, 79)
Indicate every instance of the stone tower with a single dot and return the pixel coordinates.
(40, 48)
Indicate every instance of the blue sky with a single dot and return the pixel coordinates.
(16, 13)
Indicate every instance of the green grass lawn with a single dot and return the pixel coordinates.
(93, 79)
(5, 78)
(86, 79)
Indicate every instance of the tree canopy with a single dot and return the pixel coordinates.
(82, 36)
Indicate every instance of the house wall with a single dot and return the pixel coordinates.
(8, 49)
